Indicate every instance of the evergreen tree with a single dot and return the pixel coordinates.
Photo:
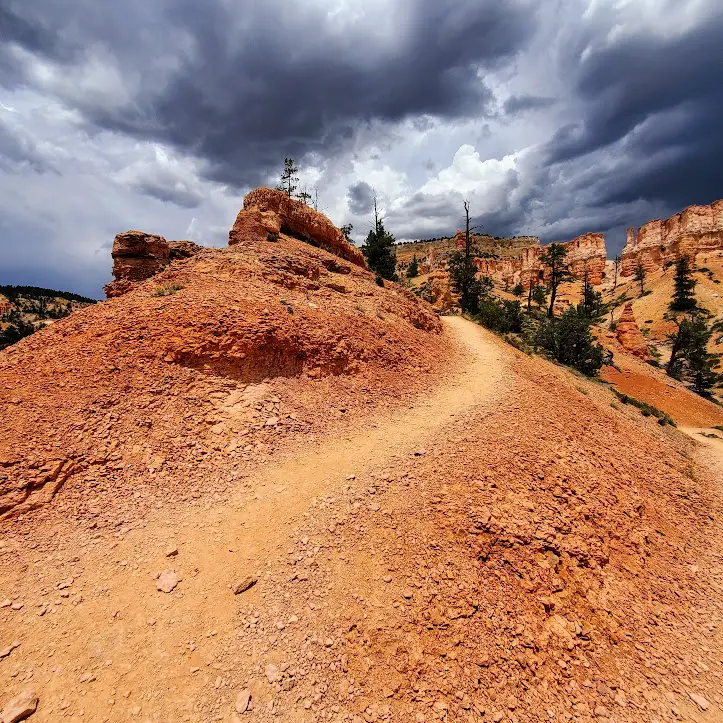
(346, 231)
(304, 196)
(463, 274)
(570, 341)
(616, 264)
(379, 250)
(413, 268)
(289, 178)
(699, 367)
(518, 290)
(640, 275)
(539, 295)
(592, 302)
(684, 287)
(554, 258)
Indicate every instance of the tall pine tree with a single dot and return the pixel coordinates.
(289, 178)
(379, 249)
(684, 287)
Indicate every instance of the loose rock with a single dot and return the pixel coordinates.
(167, 581)
(20, 707)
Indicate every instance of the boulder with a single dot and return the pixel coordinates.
(267, 212)
(20, 707)
(629, 335)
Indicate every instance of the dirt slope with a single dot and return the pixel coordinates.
(505, 547)
(202, 369)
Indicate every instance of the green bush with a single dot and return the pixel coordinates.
(647, 410)
(167, 290)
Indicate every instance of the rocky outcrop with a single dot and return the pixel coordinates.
(695, 230)
(587, 251)
(525, 267)
(268, 211)
(138, 256)
(441, 290)
(629, 335)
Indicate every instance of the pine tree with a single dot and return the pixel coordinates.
(684, 287)
(592, 303)
(304, 196)
(554, 258)
(539, 295)
(616, 264)
(379, 249)
(699, 367)
(518, 290)
(289, 178)
(413, 268)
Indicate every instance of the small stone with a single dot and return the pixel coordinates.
(273, 674)
(6, 603)
(350, 477)
(242, 701)
(87, 678)
(407, 594)
(420, 452)
(272, 421)
(6, 651)
(172, 551)
(167, 581)
(17, 606)
(699, 700)
(243, 585)
(20, 707)
(387, 578)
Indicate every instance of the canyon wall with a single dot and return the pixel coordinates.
(696, 230)
(524, 268)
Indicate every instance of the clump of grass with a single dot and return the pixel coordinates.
(583, 391)
(167, 290)
(647, 410)
(272, 237)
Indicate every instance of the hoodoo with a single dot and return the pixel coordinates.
(629, 335)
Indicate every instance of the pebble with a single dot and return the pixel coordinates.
(172, 551)
(6, 651)
(20, 707)
(273, 674)
(167, 581)
(242, 701)
(243, 585)
(699, 700)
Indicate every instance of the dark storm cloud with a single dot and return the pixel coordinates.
(19, 152)
(244, 87)
(361, 198)
(518, 104)
(654, 102)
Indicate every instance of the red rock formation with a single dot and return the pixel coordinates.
(137, 256)
(695, 230)
(268, 211)
(629, 335)
(587, 250)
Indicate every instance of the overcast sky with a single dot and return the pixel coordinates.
(553, 117)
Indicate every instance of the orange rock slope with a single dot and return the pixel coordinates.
(195, 361)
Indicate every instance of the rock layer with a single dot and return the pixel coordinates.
(583, 251)
(695, 230)
(268, 212)
(629, 335)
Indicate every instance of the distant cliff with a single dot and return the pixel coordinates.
(696, 230)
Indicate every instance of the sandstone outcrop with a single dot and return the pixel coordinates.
(587, 251)
(629, 335)
(266, 211)
(138, 256)
(442, 298)
(695, 230)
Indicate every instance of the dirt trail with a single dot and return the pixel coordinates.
(98, 640)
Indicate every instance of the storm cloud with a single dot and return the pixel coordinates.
(551, 118)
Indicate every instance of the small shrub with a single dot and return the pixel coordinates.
(647, 410)
(647, 292)
(272, 237)
(379, 280)
(167, 290)
(583, 391)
